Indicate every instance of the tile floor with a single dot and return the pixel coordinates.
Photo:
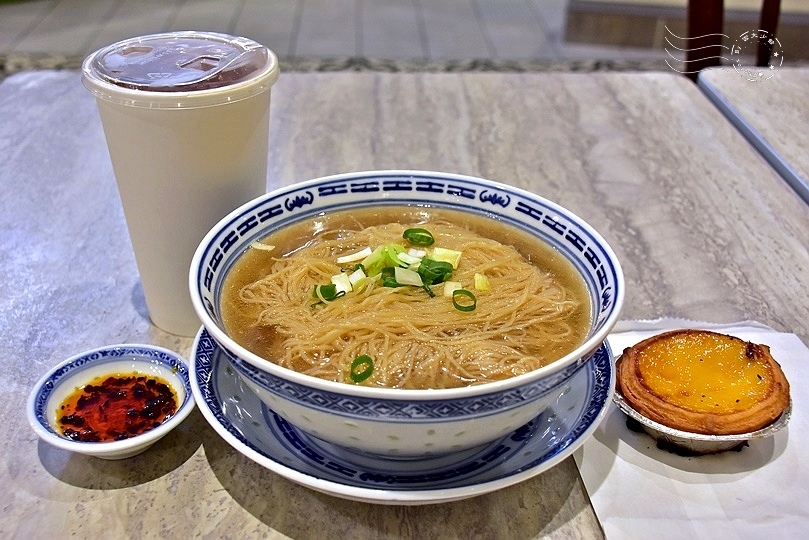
(393, 30)
(374, 34)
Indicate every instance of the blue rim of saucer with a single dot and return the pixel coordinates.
(260, 434)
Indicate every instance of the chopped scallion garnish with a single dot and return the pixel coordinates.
(326, 293)
(361, 368)
(482, 282)
(450, 256)
(342, 282)
(461, 299)
(263, 247)
(419, 237)
(383, 256)
(394, 265)
(354, 257)
(433, 272)
(388, 275)
(408, 259)
(450, 287)
(404, 276)
(356, 276)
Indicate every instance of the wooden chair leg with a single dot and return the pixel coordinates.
(705, 22)
(770, 11)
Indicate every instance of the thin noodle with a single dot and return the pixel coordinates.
(526, 319)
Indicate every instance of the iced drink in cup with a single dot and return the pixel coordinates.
(186, 118)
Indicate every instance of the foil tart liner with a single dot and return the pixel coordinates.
(687, 443)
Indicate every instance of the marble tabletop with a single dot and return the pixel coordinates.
(772, 114)
(704, 227)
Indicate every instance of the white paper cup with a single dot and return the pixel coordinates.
(186, 119)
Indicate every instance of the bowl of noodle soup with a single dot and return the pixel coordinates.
(406, 313)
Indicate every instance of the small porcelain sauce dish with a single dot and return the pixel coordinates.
(125, 361)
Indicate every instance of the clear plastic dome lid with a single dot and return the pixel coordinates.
(180, 62)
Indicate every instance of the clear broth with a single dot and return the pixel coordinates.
(254, 264)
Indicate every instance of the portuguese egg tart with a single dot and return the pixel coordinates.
(703, 382)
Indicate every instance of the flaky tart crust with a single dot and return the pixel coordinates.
(703, 382)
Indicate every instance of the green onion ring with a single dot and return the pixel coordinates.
(419, 237)
(326, 293)
(361, 368)
(464, 307)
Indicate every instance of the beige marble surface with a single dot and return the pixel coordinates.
(704, 227)
(773, 114)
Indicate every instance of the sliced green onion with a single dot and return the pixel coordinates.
(361, 368)
(258, 245)
(342, 282)
(388, 275)
(383, 256)
(404, 276)
(433, 272)
(354, 257)
(482, 282)
(451, 256)
(467, 296)
(356, 276)
(450, 287)
(408, 258)
(419, 237)
(326, 293)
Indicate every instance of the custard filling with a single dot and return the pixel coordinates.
(705, 373)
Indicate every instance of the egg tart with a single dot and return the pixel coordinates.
(703, 382)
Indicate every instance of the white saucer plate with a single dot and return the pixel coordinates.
(253, 429)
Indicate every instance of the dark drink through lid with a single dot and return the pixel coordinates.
(180, 61)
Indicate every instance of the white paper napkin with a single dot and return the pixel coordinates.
(639, 491)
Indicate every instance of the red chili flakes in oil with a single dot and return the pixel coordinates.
(113, 408)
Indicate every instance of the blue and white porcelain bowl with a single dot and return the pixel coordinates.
(125, 359)
(395, 422)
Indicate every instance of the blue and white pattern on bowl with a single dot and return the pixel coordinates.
(262, 435)
(415, 421)
(52, 389)
(403, 410)
(544, 219)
